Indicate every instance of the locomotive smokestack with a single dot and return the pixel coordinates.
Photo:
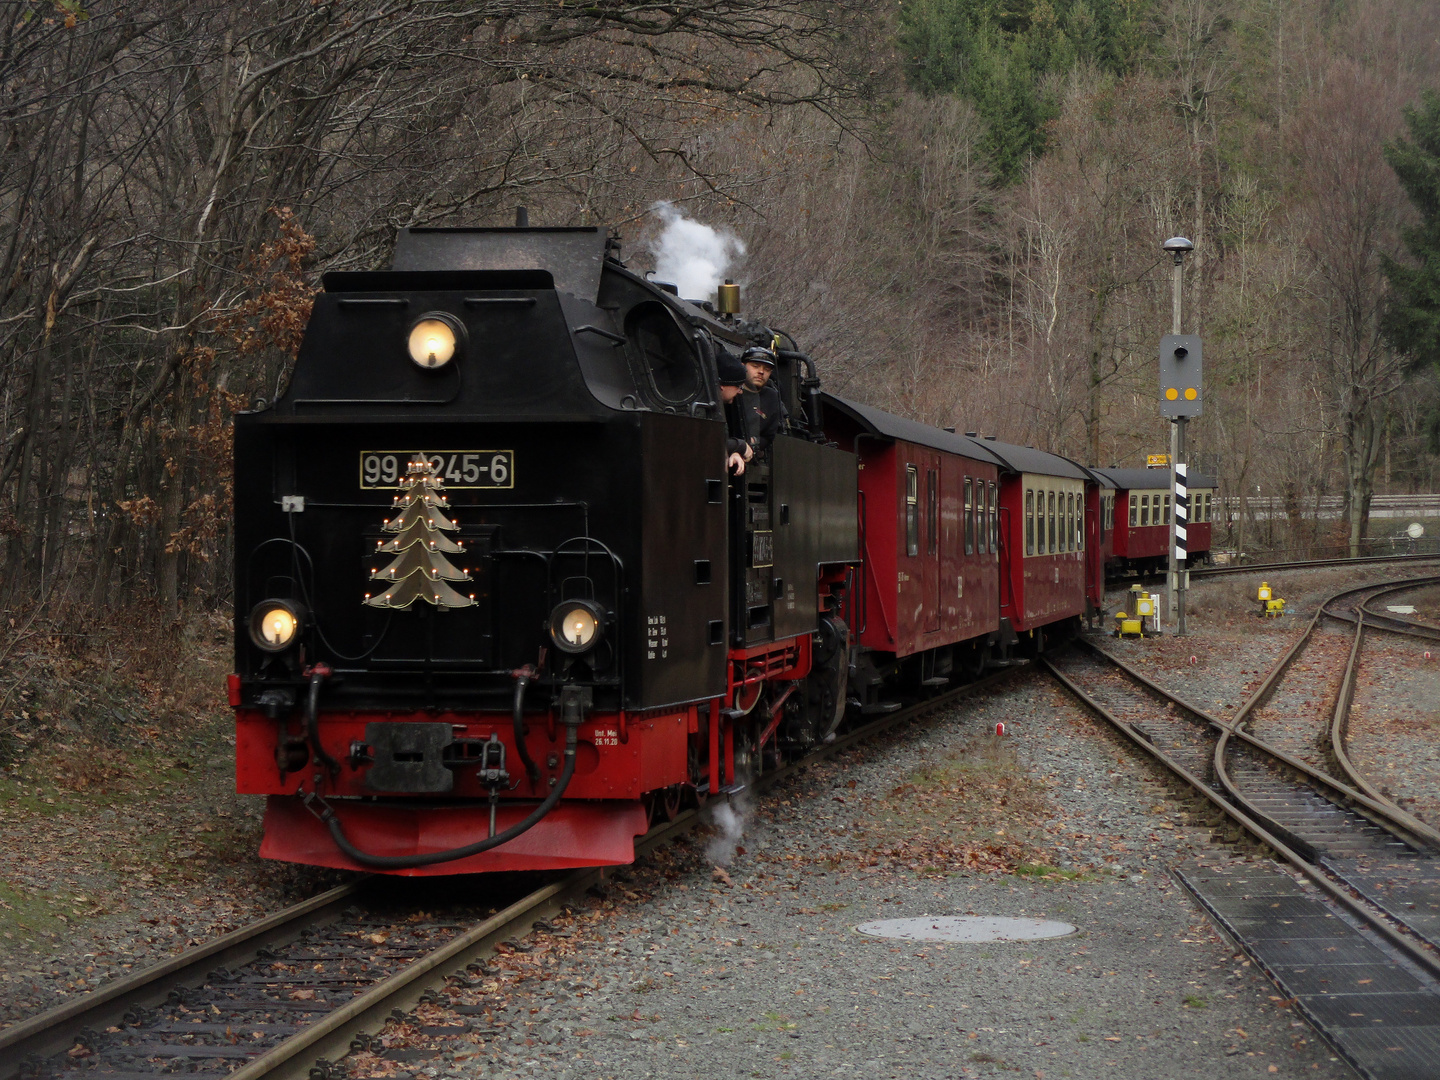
(522, 217)
(727, 300)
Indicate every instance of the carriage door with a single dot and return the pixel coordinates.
(1094, 513)
(930, 550)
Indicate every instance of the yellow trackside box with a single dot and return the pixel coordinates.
(1272, 606)
(1139, 606)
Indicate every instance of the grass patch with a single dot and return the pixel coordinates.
(26, 916)
(1196, 1001)
(976, 808)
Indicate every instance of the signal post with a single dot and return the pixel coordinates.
(1180, 399)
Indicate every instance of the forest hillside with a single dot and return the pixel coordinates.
(957, 207)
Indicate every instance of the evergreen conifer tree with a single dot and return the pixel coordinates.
(1412, 317)
(420, 569)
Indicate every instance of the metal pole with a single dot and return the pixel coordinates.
(1181, 575)
(1172, 600)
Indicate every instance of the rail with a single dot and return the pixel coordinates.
(311, 1051)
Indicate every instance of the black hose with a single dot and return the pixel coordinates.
(404, 862)
(811, 386)
(522, 680)
(312, 718)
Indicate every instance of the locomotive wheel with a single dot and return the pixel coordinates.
(663, 805)
(747, 697)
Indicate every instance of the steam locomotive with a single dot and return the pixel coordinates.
(500, 606)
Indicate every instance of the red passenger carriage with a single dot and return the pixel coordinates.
(1142, 519)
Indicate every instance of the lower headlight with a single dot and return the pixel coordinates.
(575, 625)
(275, 624)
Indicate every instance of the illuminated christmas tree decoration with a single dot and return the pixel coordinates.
(420, 537)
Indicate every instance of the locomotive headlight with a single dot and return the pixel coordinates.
(275, 624)
(575, 626)
(433, 341)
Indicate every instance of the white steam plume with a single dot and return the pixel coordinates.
(694, 256)
(729, 821)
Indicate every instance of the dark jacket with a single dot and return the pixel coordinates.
(763, 416)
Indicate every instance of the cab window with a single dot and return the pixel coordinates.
(663, 353)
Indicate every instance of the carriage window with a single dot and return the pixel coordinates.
(994, 519)
(1134, 510)
(1069, 521)
(932, 511)
(1145, 510)
(912, 510)
(665, 354)
(1029, 521)
(969, 518)
(1205, 500)
(1079, 522)
(982, 531)
(1050, 516)
(1166, 519)
(1062, 523)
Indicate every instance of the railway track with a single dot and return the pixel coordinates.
(1306, 564)
(1371, 916)
(287, 997)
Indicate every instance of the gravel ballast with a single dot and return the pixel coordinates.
(758, 971)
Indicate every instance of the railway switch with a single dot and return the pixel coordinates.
(1272, 606)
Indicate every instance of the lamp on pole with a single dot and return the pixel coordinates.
(1179, 247)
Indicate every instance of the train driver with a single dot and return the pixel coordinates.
(732, 383)
(761, 409)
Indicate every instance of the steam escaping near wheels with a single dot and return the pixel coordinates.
(729, 821)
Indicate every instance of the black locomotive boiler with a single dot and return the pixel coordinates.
(498, 604)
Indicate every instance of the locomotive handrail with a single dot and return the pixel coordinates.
(616, 339)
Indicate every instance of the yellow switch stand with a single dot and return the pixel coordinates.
(1138, 608)
(1274, 605)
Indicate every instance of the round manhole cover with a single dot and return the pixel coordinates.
(966, 928)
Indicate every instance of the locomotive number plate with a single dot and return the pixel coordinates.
(458, 469)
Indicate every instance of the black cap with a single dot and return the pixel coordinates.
(730, 369)
(757, 355)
